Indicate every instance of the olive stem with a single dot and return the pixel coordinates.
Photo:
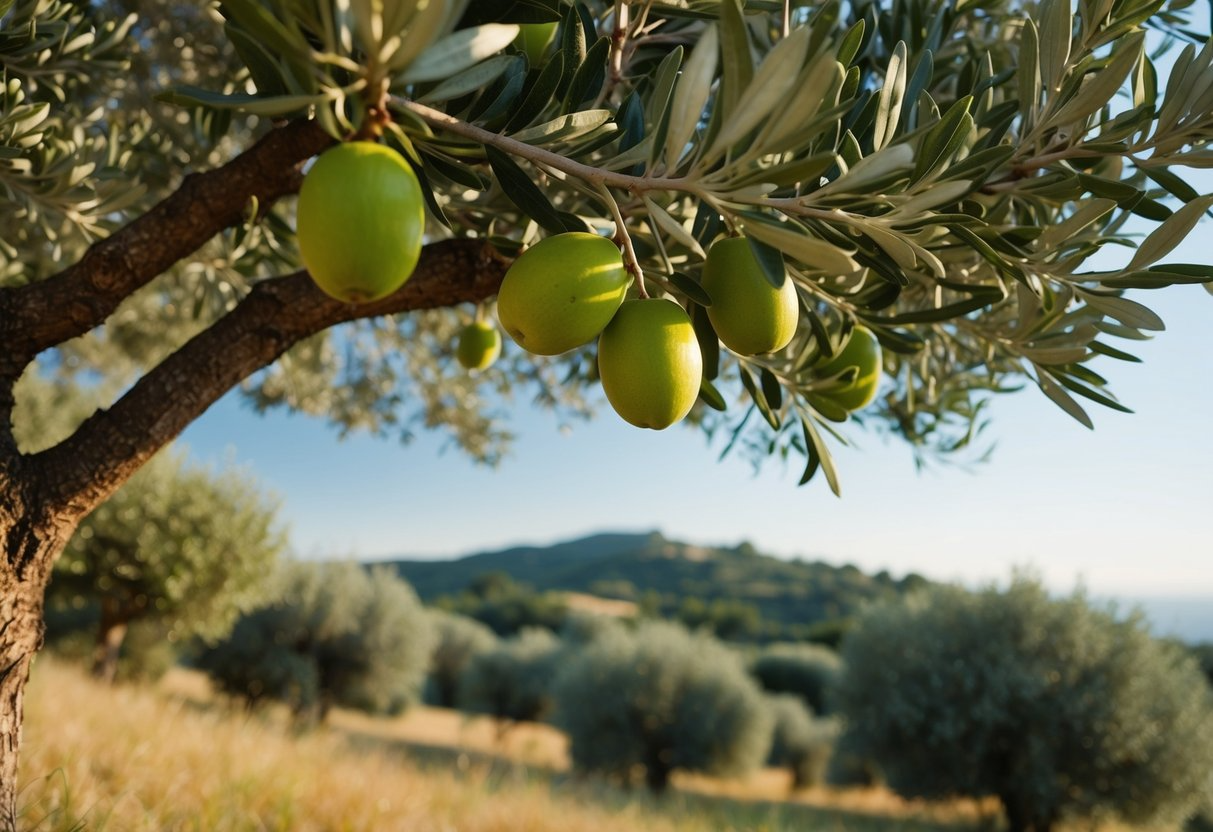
(619, 39)
(630, 260)
(588, 173)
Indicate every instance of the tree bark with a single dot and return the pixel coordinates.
(30, 540)
(657, 771)
(111, 631)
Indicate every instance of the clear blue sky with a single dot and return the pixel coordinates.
(1126, 508)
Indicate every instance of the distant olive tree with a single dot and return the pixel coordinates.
(180, 549)
(182, 545)
(660, 699)
(335, 635)
(457, 640)
(513, 681)
(800, 743)
(806, 670)
(1060, 709)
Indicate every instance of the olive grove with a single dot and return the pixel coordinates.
(935, 174)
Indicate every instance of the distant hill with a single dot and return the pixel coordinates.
(668, 576)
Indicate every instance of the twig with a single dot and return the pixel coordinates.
(630, 260)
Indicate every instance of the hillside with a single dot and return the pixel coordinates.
(653, 571)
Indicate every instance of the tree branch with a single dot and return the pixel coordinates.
(41, 315)
(110, 446)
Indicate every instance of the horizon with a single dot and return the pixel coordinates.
(1188, 617)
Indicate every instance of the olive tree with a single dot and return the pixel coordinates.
(657, 700)
(1059, 708)
(939, 175)
(177, 543)
(806, 670)
(799, 742)
(334, 634)
(457, 640)
(512, 682)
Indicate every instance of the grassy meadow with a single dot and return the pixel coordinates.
(173, 757)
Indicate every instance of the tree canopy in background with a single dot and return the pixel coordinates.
(1060, 708)
(333, 634)
(658, 700)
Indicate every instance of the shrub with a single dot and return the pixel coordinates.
(806, 670)
(799, 742)
(336, 635)
(1060, 709)
(457, 640)
(658, 700)
(512, 682)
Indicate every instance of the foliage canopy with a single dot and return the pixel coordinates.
(1061, 709)
(334, 634)
(940, 175)
(677, 701)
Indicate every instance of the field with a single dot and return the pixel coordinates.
(137, 759)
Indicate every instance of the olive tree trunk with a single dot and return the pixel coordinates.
(29, 544)
(111, 632)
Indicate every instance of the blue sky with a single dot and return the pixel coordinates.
(1125, 509)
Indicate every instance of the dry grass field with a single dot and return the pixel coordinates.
(137, 759)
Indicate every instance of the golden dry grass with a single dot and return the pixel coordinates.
(132, 759)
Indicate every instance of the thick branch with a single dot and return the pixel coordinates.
(111, 445)
(41, 315)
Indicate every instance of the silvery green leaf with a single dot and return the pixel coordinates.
(471, 79)
(663, 86)
(460, 50)
(672, 226)
(888, 107)
(637, 154)
(794, 241)
(945, 138)
(1189, 78)
(893, 245)
(1029, 72)
(691, 95)
(427, 24)
(1056, 32)
(935, 195)
(564, 128)
(1171, 233)
(1128, 312)
(872, 168)
(737, 59)
(818, 455)
(772, 83)
(1093, 211)
(1098, 87)
(817, 86)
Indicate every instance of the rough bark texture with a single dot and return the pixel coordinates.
(44, 496)
(31, 541)
(44, 314)
(112, 444)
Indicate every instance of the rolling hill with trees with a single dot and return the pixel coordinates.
(737, 590)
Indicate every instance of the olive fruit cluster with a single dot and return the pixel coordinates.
(360, 222)
(568, 289)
